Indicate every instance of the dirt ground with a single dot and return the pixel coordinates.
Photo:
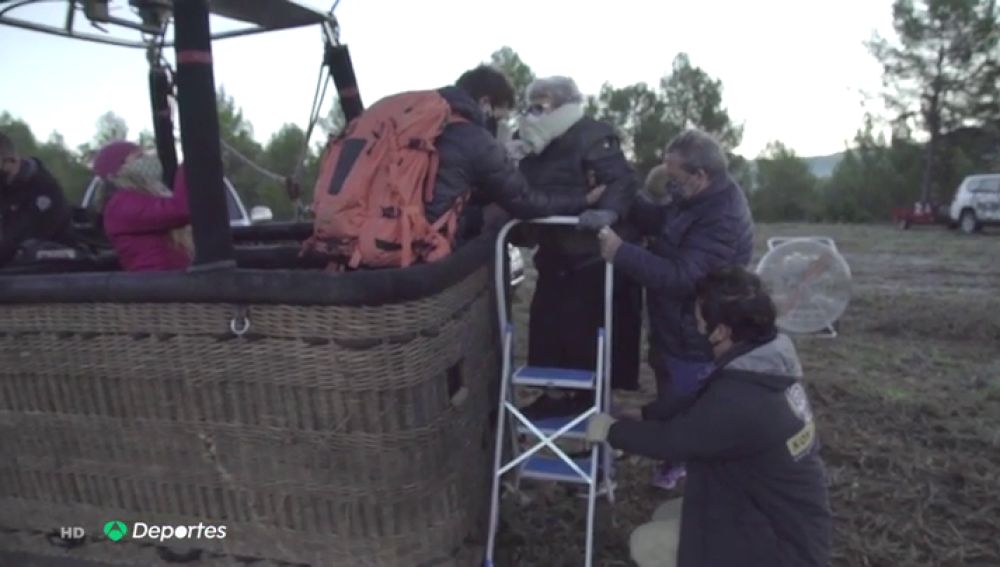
(907, 400)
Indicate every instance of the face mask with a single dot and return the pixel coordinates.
(143, 172)
(676, 191)
(145, 167)
(491, 123)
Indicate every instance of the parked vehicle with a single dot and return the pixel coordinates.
(919, 213)
(976, 203)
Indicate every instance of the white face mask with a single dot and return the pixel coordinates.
(539, 129)
(143, 172)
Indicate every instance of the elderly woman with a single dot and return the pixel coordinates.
(561, 151)
(148, 225)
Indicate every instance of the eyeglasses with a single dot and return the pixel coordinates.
(536, 109)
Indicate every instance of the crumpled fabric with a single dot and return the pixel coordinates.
(535, 133)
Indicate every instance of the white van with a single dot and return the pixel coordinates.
(976, 203)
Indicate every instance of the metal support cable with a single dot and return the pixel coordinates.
(251, 164)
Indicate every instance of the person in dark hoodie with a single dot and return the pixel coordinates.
(706, 226)
(472, 161)
(756, 491)
(562, 151)
(32, 203)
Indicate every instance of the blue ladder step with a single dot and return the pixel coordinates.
(550, 425)
(541, 467)
(544, 377)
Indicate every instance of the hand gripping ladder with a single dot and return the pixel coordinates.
(528, 463)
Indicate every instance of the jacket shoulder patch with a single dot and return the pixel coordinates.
(804, 440)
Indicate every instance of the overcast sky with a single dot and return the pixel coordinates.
(792, 70)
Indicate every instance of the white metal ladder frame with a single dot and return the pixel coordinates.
(830, 332)
(507, 407)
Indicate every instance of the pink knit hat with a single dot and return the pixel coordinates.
(112, 156)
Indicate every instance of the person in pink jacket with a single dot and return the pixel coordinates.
(148, 225)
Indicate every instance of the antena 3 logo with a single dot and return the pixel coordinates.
(117, 530)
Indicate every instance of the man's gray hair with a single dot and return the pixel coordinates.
(699, 150)
(560, 90)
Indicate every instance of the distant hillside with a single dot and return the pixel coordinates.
(822, 166)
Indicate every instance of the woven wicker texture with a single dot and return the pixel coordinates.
(324, 435)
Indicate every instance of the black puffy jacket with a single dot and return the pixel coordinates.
(472, 160)
(712, 230)
(32, 206)
(587, 154)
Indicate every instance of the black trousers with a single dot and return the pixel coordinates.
(566, 312)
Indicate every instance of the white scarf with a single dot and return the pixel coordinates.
(535, 133)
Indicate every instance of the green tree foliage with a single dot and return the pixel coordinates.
(943, 72)
(240, 152)
(638, 113)
(519, 73)
(67, 166)
(648, 118)
(281, 155)
(110, 127)
(785, 188)
(874, 176)
(693, 99)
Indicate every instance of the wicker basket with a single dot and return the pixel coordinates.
(323, 434)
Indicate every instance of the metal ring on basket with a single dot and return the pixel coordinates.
(240, 323)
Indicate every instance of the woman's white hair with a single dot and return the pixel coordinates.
(560, 90)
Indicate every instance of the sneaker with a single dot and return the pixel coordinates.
(668, 476)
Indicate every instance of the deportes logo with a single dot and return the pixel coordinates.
(117, 530)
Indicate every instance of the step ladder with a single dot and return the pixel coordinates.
(593, 470)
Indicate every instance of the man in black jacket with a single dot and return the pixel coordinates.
(32, 204)
(756, 491)
(472, 161)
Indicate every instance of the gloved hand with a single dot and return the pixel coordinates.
(598, 427)
(596, 219)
